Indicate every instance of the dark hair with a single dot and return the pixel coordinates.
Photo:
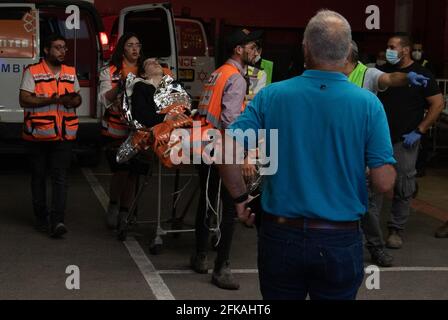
(52, 38)
(117, 56)
(405, 39)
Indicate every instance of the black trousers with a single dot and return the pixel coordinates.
(51, 158)
(227, 225)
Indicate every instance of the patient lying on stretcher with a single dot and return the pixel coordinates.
(144, 109)
(154, 105)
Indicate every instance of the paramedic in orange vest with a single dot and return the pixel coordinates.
(49, 95)
(126, 58)
(221, 103)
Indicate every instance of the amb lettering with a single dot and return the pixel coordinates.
(14, 43)
(12, 68)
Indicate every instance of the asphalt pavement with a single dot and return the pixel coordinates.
(33, 266)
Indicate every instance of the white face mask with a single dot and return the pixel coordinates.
(380, 62)
(392, 56)
(417, 55)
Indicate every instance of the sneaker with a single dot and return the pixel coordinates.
(58, 231)
(199, 263)
(395, 240)
(112, 216)
(442, 232)
(381, 258)
(223, 278)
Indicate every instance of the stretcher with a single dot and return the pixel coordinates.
(169, 96)
(176, 221)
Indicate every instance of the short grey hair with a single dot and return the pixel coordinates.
(328, 38)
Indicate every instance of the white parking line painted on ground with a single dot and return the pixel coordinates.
(152, 277)
(149, 272)
(97, 188)
(255, 271)
(414, 269)
(235, 271)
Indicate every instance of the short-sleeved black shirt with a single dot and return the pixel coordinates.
(405, 106)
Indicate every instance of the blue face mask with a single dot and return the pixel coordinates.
(392, 56)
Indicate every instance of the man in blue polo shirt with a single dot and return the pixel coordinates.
(328, 130)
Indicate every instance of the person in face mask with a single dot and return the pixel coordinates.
(381, 59)
(418, 55)
(376, 81)
(405, 109)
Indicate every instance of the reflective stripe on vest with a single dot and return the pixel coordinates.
(113, 125)
(210, 104)
(52, 122)
(358, 75)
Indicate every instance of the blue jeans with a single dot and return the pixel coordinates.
(294, 263)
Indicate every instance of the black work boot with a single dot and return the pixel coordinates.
(198, 262)
(380, 257)
(222, 277)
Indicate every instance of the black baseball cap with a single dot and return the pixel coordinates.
(242, 36)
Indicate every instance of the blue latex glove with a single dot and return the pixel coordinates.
(411, 138)
(418, 80)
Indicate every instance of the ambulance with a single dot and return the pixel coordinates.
(196, 62)
(24, 25)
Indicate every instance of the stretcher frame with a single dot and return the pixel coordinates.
(156, 244)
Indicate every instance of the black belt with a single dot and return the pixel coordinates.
(302, 223)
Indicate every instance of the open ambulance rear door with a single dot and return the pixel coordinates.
(154, 25)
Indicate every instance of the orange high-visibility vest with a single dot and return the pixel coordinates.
(210, 105)
(53, 122)
(113, 124)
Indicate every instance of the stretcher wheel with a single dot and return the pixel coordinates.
(155, 249)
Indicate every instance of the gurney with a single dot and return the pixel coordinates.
(168, 94)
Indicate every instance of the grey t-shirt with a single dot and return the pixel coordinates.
(29, 85)
(371, 80)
